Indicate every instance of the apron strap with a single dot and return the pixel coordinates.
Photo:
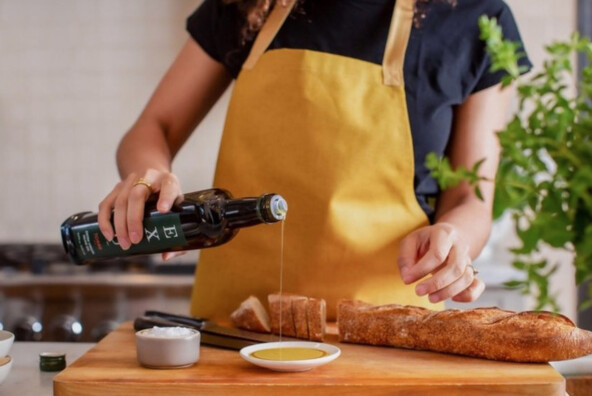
(272, 25)
(396, 44)
(394, 53)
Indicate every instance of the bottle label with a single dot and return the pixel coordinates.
(161, 232)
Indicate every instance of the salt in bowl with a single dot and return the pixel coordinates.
(167, 347)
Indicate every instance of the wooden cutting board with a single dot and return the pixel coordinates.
(110, 368)
(580, 385)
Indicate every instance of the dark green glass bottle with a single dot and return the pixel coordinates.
(203, 219)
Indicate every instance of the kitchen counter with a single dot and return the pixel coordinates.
(578, 374)
(112, 368)
(25, 378)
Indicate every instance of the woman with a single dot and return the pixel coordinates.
(335, 105)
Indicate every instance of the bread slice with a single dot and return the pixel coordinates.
(317, 319)
(251, 315)
(489, 333)
(300, 316)
(280, 312)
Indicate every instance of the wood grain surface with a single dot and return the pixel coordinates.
(111, 368)
(579, 385)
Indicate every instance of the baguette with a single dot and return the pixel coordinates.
(251, 315)
(489, 333)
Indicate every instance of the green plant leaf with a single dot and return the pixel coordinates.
(545, 172)
(515, 284)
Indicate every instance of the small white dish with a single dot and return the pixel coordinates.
(579, 366)
(6, 340)
(329, 353)
(159, 350)
(5, 366)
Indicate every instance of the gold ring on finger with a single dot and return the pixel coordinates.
(144, 182)
(475, 271)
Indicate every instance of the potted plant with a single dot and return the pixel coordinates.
(545, 171)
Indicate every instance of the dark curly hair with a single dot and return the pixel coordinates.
(255, 12)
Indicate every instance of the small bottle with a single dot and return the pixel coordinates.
(203, 219)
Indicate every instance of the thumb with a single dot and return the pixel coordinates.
(170, 255)
(408, 250)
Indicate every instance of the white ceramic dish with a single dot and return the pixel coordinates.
(6, 340)
(579, 366)
(5, 366)
(331, 353)
(163, 352)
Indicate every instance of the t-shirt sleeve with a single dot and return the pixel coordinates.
(510, 32)
(215, 26)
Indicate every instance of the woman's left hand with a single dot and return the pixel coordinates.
(440, 251)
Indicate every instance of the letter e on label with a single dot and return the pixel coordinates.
(170, 232)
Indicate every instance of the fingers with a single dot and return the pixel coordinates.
(170, 255)
(471, 293)
(125, 205)
(408, 254)
(439, 240)
(170, 191)
(165, 184)
(105, 212)
(138, 194)
(120, 212)
(450, 280)
(437, 250)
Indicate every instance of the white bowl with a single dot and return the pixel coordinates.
(158, 350)
(6, 340)
(578, 366)
(331, 352)
(5, 367)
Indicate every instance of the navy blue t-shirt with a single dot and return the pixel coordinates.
(445, 60)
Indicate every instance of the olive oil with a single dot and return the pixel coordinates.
(281, 272)
(289, 354)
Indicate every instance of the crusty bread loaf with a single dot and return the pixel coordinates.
(251, 315)
(317, 319)
(489, 333)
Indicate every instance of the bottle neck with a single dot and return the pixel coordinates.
(245, 212)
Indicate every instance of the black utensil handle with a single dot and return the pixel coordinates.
(197, 323)
(148, 322)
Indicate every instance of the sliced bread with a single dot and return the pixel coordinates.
(251, 315)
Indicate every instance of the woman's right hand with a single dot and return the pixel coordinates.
(127, 200)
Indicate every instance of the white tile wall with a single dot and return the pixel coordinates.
(74, 75)
(543, 21)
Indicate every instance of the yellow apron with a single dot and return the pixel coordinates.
(331, 135)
